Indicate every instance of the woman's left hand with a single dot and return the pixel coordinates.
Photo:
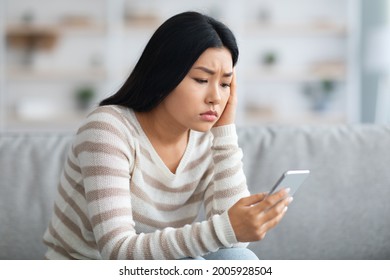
(229, 113)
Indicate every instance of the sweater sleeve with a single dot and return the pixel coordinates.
(227, 185)
(106, 158)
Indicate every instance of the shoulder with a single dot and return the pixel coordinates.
(110, 118)
(107, 124)
(107, 114)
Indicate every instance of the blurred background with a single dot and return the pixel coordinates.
(301, 61)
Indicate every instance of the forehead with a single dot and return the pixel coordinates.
(215, 58)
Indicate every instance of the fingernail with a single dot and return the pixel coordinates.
(288, 190)
(290, 199)
(285, 209)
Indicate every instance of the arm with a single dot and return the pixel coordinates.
(253, 216)
(228, 183)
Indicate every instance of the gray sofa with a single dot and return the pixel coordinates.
(341, 212)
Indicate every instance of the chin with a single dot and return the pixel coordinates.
(203, 127)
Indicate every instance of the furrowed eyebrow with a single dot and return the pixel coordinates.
(211, 72)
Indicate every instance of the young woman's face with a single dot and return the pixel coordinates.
(199, 100)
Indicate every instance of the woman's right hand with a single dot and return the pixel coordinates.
(253, 216)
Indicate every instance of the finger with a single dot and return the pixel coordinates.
(277, 209)
(268, 225)
(270, 200)
(233, 87)
(233, 84)
(252, 199)
(274, 221)
(274, 215)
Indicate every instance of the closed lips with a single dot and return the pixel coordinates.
(212, 113)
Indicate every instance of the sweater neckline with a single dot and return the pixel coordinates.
(155, 156)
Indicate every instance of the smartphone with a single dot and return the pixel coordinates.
(292, 179)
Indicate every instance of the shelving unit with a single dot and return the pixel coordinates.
(51, 53)
(288, 48)
(300, 62)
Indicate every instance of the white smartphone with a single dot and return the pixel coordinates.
(292, 179)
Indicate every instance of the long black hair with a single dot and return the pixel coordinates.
(167, 58)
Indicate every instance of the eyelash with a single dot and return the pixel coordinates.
(202, 81)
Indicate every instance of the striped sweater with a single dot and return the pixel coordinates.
(118, 200)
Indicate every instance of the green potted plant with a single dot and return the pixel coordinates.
(319, 94)
(269, 59)
(84, 97)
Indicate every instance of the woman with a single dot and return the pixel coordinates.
(147, 159)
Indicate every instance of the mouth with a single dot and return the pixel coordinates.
(210, 113)
(209, 116)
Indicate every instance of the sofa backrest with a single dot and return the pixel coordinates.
(341, 212)
(30, 165)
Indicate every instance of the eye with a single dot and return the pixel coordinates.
(225, 85)
(200, 81)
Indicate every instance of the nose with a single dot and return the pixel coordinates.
(213, 95)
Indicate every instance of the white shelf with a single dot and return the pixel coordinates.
(18, 74)
(58, 29)
(311, 48)
(283, 76)
(294, 29)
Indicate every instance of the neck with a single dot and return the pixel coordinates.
(158, 127)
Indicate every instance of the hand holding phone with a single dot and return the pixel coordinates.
(252, 223)
(291, 179)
